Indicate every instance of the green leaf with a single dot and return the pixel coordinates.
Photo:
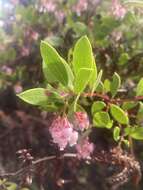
(51, 107)
(101, 119)
(57, 66)
(10, 186)
(35, 96)
(110, 124)
(140, 113)
(82, 63)
(82, 80)
(100, 88)
(135, 132)
(116, 133)
(98, 80)
(139, 90)
(115, 84)
(47, 73)
(129, 105)
(82, 55)
(128, 130)
(93, 78)
(107, 84)
(126, 142)
(70, 74)
(123, 59)
(118, 114)
(97, 106)
(40, 97)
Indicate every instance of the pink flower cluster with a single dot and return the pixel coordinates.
(80, 6)
(118, 10)
(15, 2)
(18, 88)
(62, 132)
(60, 15)
(49, 6)
(84, 149)
(81, 120)
(31, 34)
(7, 70)
(25, 51)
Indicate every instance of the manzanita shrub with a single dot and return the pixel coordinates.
(82, 101)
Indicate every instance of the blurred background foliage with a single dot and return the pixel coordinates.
(117, 42)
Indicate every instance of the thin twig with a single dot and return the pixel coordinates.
(14, 174)
(113, 100)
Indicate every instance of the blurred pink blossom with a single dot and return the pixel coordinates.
(29, 33)
(62, 132)
(25, 51)
(117, 35)
(117, 9)
(60, 15)
(15, 2)
(18, 88)
(7, 70)
(80, 6)
(84, 149)
(34, 35)
(81, 120)
(73, 138)
(50, 6)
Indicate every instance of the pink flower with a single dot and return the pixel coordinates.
(117, 35)
(34, 35)
(15, 2)
(80, 6)
(62, 132)
(117, 9)
(48, 5)
(7, 70)
(84, 149)
(25, 51)
(73, 138)
(18, 88)
(81, 120)
(59, 16)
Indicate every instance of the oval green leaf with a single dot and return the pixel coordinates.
(107, 84)
(135, 132)
(97, 106)
(139, 90)
(82, 80)
(101, 119)
(82, 55)
(118, 114)
(93, 77)
(139, 116)
(116, 133)
(98, 80)
(55, 64)
(115, 84)
(129, 105)
(35, 96)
